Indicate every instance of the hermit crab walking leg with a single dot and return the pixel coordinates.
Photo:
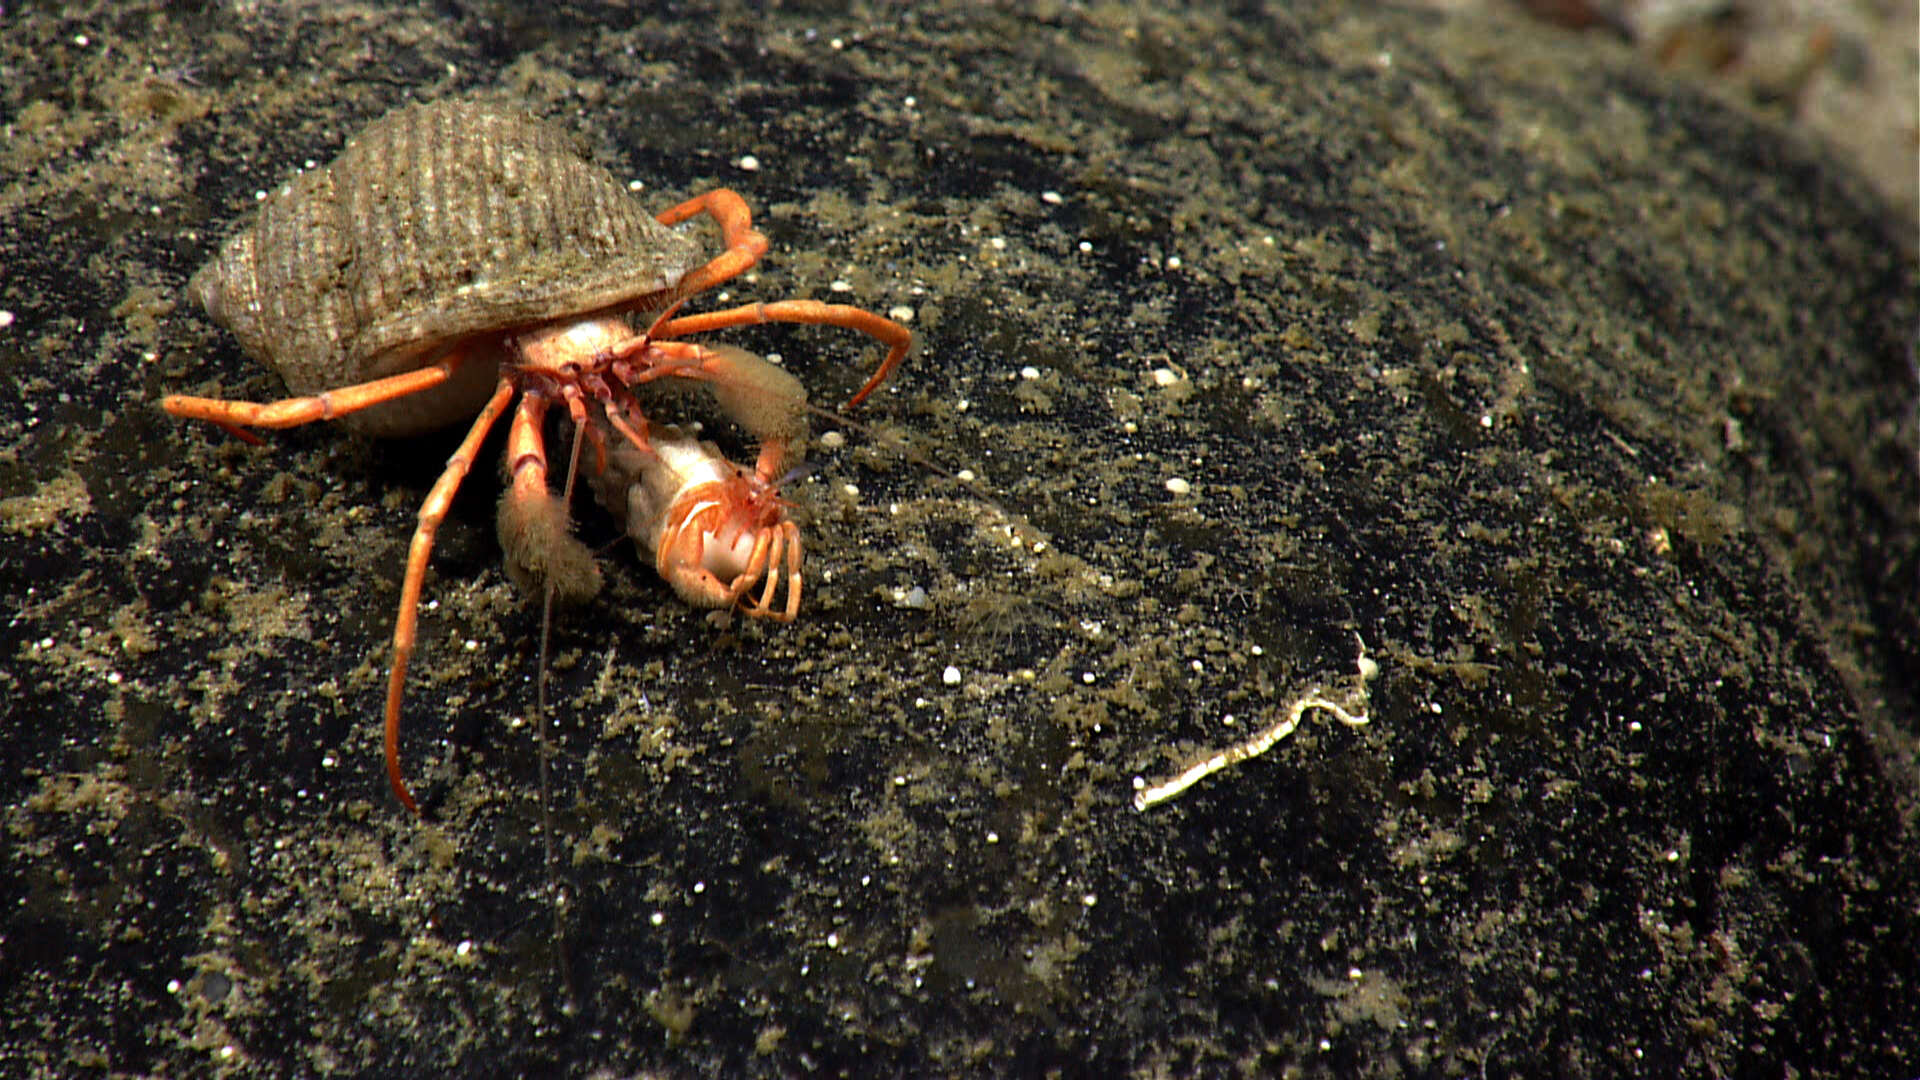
(432, 512)
(895, 337)
(745, 246)
(326, 405)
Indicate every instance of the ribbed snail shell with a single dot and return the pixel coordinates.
(439, 224)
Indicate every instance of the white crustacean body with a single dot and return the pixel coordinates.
(715, 529)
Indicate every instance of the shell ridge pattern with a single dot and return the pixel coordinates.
(295, 303)
(437, 224)
(514, 228)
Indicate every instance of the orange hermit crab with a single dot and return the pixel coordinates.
(458, 255)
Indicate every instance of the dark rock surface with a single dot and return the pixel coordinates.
(1588, 405)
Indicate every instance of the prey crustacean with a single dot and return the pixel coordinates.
(715, 529)
(460, 255)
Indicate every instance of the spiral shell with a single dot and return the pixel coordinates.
(439, 225)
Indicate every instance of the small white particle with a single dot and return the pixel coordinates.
(900, 313)
(1052, 198)
(1085, 246)
(463, 948)
(636, 185)
(910, 101)
(82, 40)
(1089, 899)
(841, 285)
(1356, 974)
(173, 986)
(833, 941)
(1174, 263)
(1486, 421)
(992, 837)
(470, 645)
(699, 887)
(951, 676)
(657, 918)
(228, 1051)
(6, 319)
(899, 781)
(833, 440)
(1178, 485)
(749, 163)
(998, 243)
(1029, 372)
(1165, 376)
(1198, 666)
(836, 43)
(965, 475)
(851, 491)
(259, 195)
(1088, 677)
(113, 678)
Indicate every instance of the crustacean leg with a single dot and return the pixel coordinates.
(536, 535)
(432, 512)
(326, 405)
(889, 333)
(765, 400)
(683, 562)
(745, 246)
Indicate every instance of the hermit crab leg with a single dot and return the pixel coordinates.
(889, 333)
(765, 400)
(292, 412)
(432, 512)
(745, 244)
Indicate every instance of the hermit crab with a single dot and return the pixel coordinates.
(461, 254)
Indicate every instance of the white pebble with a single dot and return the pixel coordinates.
(749, 163)
(1178, 485)
(951, 676)
(900, 313)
